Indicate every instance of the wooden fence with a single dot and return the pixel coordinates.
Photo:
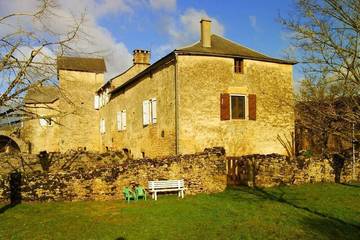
(236, 171)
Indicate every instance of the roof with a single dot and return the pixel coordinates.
(220, 47)
(96, 65)
(42, 94)
(224, 47)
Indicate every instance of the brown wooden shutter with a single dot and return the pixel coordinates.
(224, 106)
(252, 107)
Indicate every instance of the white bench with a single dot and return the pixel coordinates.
(166, 186)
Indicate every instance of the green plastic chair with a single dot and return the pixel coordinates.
(128, 194)
(140, 193)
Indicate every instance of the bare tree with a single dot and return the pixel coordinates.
(326, 35)
(28, 51)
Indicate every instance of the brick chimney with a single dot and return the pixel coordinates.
(141, 56)
(205, 33)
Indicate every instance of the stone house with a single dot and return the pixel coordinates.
(212, 93)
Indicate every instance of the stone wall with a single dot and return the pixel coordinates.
(199, 111)
(273, 170)
(202, 172)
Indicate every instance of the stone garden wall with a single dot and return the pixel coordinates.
(202, 172)
(273, 170)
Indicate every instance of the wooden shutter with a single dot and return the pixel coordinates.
(153, 110)
(224, 106)
(118, 120)
(146, 112)
(252, 107)
(123, 120)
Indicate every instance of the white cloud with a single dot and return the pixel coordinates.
(186, 29)
(169, 5)
(92, 38)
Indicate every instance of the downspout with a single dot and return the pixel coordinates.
(176, 106)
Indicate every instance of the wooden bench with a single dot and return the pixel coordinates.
(166, 186)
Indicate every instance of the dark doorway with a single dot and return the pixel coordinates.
(8, 145)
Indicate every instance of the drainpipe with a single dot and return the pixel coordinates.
(176, 106)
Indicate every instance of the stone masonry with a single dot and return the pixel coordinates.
(203, 172)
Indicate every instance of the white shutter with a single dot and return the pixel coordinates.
(123, 120)
(146, 112)
(100, 126)
(153, 110)
(96, 102)
(118, 120)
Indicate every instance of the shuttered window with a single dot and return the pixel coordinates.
(102, 126)
(153, 110)
(121, 120)
(149, 111)
(238, 65)
(96, 102)
(146, 112)
(237, 106)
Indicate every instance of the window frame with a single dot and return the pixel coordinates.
(246, 106)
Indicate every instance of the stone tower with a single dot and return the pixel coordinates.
(79, 79)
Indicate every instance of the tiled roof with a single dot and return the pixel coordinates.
(42, 94)
(96, 65)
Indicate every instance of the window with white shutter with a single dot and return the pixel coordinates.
(96, 102)
(146, 112)
(153, 110)
(102, 126)
(118, 120)
(123, 120)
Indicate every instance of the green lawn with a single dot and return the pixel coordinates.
(319, 211)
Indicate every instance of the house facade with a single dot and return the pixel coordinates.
(212, 93)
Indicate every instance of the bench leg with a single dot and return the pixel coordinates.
(182, 193)
(155, 196)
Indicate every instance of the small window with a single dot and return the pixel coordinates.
(121, 120)
(45, 122)
(238, 107)
(149, 111)
(102, 126)
(238, 65)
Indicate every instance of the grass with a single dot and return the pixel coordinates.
(318, 211)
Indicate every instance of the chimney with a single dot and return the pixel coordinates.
(141, 56)
(205, 33)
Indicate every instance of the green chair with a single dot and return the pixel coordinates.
(140, 193)
(128, 194)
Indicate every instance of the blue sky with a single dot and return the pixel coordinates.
(116, 27)
(249, 22)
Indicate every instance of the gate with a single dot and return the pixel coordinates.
(236, 171)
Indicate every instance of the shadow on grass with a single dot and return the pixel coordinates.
(262, 194)
(351, 185)
(329, 229)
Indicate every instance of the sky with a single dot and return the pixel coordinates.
(114, 28)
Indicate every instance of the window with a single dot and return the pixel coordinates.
(238, 107)
(45, 122)
(238, 65)
(121, 120)
(97, 102)
(102, 126)
(149, 111)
